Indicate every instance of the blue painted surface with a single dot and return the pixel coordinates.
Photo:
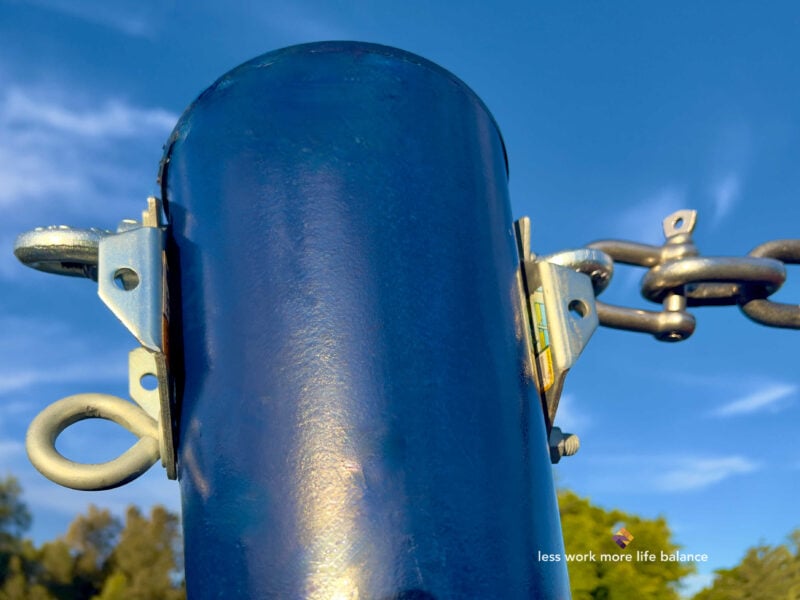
(357, 421)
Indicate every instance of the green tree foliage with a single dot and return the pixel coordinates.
(14, 520)
(75, 566)
(144, 560)
(97, 559)
(16, 554)
(765, 573)
(589, 528)
(100, 558)
(14, 516)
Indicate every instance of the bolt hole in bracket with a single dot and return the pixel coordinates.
(559, 299)
(130, 269)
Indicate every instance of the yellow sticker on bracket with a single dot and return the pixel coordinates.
(541, 340)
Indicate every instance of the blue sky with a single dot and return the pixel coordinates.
(614, 115)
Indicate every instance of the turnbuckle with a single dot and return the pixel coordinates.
(130, 268)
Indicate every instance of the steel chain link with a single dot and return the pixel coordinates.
(678, 278)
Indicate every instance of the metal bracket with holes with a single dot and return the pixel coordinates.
(130, 268)
(559, 292)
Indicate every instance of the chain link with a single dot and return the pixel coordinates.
(763, 310)
(678, 277)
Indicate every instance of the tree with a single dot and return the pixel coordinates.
(144, 564)
(15, 519)
(20, 581)
(96, 559)
(101, 560)
(75, 566)
(589, 528)
(765, 573)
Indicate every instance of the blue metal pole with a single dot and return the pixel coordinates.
(357, 419)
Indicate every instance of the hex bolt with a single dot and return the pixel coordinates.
(562, 444)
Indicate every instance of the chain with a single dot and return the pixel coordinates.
(678, 278)
(563, 310)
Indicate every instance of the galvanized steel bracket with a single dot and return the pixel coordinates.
(130, 268)
(130, 282)
(559, 292)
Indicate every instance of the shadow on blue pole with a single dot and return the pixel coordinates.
(358, 417)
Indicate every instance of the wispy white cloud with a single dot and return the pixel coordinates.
(137, 19)
(52, 149)
(729, 165)
(752, 392)
(699, 473)
(664, 473)
(642, 221)
(725, 193)
(772, 398)
(41, 351)
(570, 417)
(722, 381)
(11, 410)
(25, 176)
(88, 372)
(10, 449)
(113, 118)
(61, 156)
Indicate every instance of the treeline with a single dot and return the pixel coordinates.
(765, 573)
(103, 558)
(588, 528)
(99, 558)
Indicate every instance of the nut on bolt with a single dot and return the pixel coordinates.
(562, 444)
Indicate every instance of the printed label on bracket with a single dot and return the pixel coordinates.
(541, 340)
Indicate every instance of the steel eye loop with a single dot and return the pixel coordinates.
(53, 420)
